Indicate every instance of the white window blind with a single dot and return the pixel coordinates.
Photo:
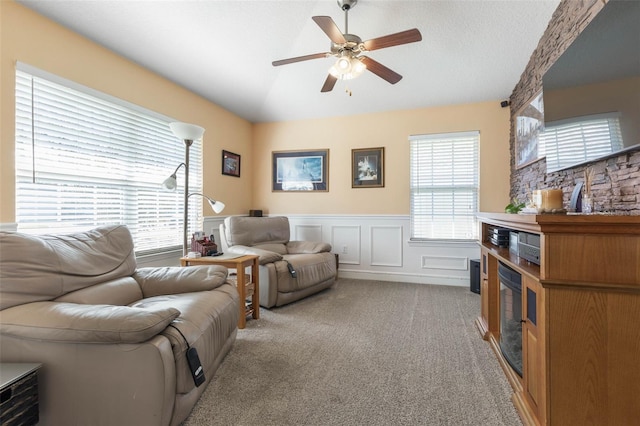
(576, 140)
(444, 185)
(84, 161)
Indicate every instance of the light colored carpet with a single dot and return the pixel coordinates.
(362, 353)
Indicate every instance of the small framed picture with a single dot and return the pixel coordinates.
(300, 170)
(367, 168)
(230, 164)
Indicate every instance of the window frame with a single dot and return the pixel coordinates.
(473, 188)
(147, 205)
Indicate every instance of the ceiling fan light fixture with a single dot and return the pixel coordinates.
(347, 68)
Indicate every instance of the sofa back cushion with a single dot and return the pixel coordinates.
(36, 268)
(254, 231)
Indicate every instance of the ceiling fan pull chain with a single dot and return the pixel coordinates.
(347, 90)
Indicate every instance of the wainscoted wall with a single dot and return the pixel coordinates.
(377, 247)
(374, 247)
(617, 180)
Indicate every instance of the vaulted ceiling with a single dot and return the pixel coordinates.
(471, 50)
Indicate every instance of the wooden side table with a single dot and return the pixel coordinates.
(246, 287)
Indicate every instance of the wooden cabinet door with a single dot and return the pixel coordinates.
(532, 346)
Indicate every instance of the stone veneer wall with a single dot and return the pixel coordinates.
(616, 185)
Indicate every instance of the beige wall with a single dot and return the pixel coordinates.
(391, 131)
(28, 37)
(32, 39)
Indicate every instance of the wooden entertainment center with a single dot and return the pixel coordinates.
(580, 317)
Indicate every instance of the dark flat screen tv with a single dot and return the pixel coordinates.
(597, 77)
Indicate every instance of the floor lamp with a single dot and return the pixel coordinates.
(188, 133)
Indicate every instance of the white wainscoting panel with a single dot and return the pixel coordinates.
(455, 263)
(307, 233)
(345, 240)
(386, 246)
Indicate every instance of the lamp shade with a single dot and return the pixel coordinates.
(217, 206)
(186, 131)
(170, 182)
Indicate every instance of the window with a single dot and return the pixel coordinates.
(569, 142)
(444, 186)
(85, 159)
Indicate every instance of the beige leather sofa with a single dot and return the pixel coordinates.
(104, 330)
(314, 264)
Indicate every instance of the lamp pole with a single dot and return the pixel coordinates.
(185, 250)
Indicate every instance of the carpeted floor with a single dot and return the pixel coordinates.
(362, 353)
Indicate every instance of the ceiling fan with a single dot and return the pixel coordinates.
(349, 49)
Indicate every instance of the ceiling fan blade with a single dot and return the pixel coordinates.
(330, 28)
(380, 70)
(329, 83)
(299, 59)
(403, 37)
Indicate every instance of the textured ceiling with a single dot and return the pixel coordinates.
(471, 51)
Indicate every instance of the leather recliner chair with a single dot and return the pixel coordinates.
(268, 237)
(110, 337)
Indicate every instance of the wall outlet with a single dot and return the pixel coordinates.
(345, 250)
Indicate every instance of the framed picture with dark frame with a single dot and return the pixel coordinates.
(230, 164)
(300, 170)
(367, 168)
(529, 122)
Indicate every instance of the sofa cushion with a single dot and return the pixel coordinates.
(36, 268)
(249, 231)
(310, 269)
(76, 323)
(206, 320)
(278, 248)
(174, 279)
(265, 256)
(121, 291)
(307, 247)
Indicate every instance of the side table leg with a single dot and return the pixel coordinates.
(255, 299)
(242, 321)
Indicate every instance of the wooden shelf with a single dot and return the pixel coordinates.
(521, 265)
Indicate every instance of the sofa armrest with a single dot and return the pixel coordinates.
(266, 256)
(307, 247)
(174, 279)
(76, 323)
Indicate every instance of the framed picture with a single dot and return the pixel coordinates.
(367, 168)
(529, 123)
(300, 170)
(230, 164)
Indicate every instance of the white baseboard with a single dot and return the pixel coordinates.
(402, 277)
